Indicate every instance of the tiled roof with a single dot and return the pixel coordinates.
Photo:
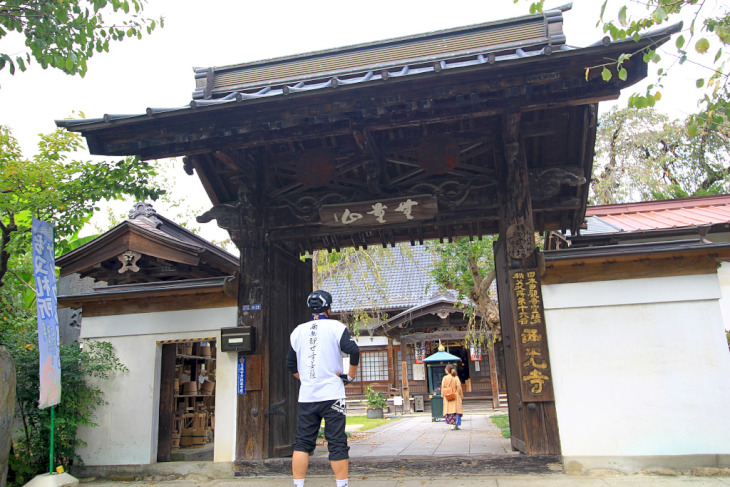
(395, 278)
(280, 77)
(145, 218)
(427, 64)
(658, 215)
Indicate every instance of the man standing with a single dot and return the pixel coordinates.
(315, 358)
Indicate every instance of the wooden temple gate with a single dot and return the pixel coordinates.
(473, 131)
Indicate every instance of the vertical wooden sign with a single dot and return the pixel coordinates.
(404, 377)
(536, 382)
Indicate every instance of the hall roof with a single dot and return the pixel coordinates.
(655, 215)
(698, 216)
(165, 251)
(391, 279)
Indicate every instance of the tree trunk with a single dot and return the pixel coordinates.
(7, 410)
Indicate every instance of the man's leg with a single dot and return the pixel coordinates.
(335, 418)
(299, 464)
(341, 468)
(308, 422)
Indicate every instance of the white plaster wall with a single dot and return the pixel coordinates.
(640, 366)
(723, 275)
(371, 341)
(127, 431)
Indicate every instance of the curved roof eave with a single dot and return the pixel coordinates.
(658, 36)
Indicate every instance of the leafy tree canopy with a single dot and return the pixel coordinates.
(702, 42)
(64, 34)
(467, 267)
(53, 187)
(644, 155)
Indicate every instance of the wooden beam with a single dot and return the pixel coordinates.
(450, 335)
(104, 307)
(629, 267)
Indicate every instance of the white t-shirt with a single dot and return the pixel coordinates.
(319, 359)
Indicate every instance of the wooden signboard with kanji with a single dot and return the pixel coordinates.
(536, 378)
(379, 212)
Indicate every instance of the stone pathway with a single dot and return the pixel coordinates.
(416, 435)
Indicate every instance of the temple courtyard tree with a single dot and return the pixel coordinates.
(55, 187)
(467, 267)
(64, 34)
(643, 155)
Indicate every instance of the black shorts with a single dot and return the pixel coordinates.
(309, 418)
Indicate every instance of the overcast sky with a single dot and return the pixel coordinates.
(157, 71)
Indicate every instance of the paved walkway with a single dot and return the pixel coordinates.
(404, 480)
(395, 455)
(417, 435)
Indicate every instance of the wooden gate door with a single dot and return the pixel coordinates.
(291, 282)
(167, 402)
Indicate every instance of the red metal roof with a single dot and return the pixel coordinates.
(657, 215)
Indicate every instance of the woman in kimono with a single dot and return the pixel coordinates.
(452, 409)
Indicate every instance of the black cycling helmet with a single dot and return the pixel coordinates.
(319, 301)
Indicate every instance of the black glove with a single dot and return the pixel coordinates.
(346, 379)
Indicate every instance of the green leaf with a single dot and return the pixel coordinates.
(623, 74)
(622, 15)
(702, 45)
(659, 15)
(606, 74)
(700, 82)
(680, 42)
(692, 129)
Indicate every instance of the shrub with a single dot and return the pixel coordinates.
(375, 400)
(79, 399)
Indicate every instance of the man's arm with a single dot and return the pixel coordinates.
(348, 346)
(291, 362)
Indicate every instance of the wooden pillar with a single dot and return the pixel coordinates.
(493, 376)
(533, 418)
(391, 364)
(404, 376)
(167, 402)
(251, 438)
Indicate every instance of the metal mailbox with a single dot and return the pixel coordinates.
(238, 339)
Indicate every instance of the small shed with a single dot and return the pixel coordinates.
(436, 365)
(161, 295)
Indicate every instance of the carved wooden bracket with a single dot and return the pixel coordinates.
(227, 215)
(244, 232)
(129, 261)
(546, 183)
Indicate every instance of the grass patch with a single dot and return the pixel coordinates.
(501, 421)
(367, 423)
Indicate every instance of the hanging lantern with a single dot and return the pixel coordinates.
(476, 352)
(420, 352)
